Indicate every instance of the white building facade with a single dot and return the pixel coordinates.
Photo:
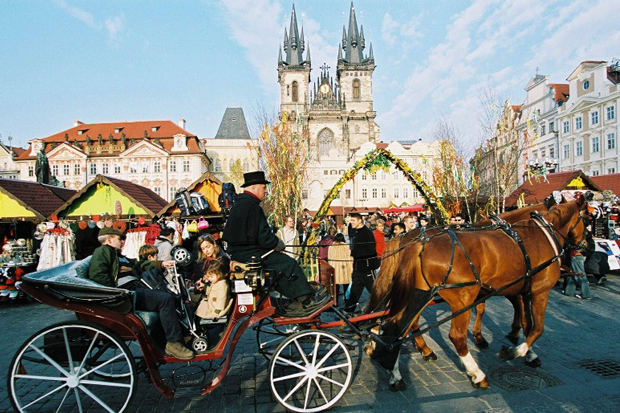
(588, 122)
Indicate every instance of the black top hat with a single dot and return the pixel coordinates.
(254, 178)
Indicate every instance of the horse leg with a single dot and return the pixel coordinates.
(480, 341)
(533, 327)
(458, 336)
(396, 380)
(420, 344)
(517, 319)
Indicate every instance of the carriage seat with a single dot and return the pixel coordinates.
(149, 319)
(223, 319)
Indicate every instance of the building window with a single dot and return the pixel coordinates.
(611, 170)
(578, 122)
(295, 91)
(542, 130)
(383, 193)
(31, 171)
(326, 141)
(579, 149)
(66, 169)
(551, 126)
(117, 168)
(611, 112)
(374, 176)
(566, 126)
(374, 193)
(304, 194)
(356, 89)
(55, 170)
(172, 192)
(218, 165)
(76, 169)
(347, 193)
(246, 165)
(566, 151)
(595, 144)
(405, 192)
(157, 166)
(396, 174)
(93, 168)
(186, 166)
(364, 193)
(594, 116)
(552, 152)
(586, 85)
(145, 167)
(396, 193)
(157, 190)
(364, 176)
(133, 168)
(105, 169)
(415, 192)
(173, 166)
(542, 153)
(611, 141)
(325, 172)
(595, 173)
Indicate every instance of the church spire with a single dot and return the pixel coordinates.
(353, 41)
(294, 44)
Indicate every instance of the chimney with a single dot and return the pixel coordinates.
(77, 123)
(182, 123)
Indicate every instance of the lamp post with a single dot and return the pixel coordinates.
(542, 166)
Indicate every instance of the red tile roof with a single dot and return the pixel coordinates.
(133, 130)
(536, 190)
(561, 91)
(611, 182)
(142, 196)
(41, 199)
(516, 108)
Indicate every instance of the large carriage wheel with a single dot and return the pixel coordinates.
(72, 366)
(310, 371)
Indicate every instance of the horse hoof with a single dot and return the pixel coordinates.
(481, 342)
(430, 357)
(534, 363)
(483, 385)
(512, 339)
(398, 386)
(506, 353)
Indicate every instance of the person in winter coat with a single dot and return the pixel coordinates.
(339, 257)
(164, 244)
(365, 261)
(214, 299)
(290, 237)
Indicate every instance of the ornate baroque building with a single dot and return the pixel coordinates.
(159, 155)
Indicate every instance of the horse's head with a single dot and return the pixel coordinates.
(568, 219)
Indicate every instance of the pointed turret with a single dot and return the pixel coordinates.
(294, 43)
(280, 56)
(308, 55)
(371, 56)
(353, 42)
(339, 52)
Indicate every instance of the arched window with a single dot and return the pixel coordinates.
(246, 165)
(326, 141)
(218, 165)
(295, 91)
(231, 164)
(356, 89)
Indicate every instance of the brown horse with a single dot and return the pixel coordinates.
(389, 263)
(485, 259)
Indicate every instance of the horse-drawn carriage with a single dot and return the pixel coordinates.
(93, 363)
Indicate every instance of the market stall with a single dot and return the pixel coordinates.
(24, 208)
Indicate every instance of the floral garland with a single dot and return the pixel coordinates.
(373, 161)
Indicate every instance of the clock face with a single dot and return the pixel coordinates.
(325, 88)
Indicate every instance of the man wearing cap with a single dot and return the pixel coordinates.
(105, 268)
(248, 235)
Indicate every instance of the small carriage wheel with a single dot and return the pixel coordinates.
(310, 371)
(270, 335)
(181, 256)
(200, 345)
(73, 366)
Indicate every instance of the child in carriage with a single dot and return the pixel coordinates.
(214, 301)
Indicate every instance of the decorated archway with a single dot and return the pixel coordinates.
(374, 160)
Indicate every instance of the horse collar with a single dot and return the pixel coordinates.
(549, 232)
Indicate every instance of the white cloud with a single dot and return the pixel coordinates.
(113, 26)
(82, 15)
(388, 29)
(408, 32)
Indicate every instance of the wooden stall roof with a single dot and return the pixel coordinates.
(31, 200)
(537, 189)
(610, 181)
(146, 201)
(208, 185)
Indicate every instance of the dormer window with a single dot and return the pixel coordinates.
(82, 131)
(180, 143)
(154, 128)
(118, 130)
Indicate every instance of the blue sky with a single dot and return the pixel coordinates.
(105, 61)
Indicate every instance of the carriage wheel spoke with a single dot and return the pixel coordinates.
(78, 400)
(67, 347)
(95, 398)
(325, 357)
(301, 352)
(50, 360)
(291, 363)
(49, 393)
(301, 383)
(316, 383)
(307, 394)
(92, 343)
(290, 376)
(330, 380)
(101, 365)
(32, 377)
(337, 366)
(63, 399)
(105, 383)
(316, 349)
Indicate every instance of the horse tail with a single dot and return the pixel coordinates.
(381, 287)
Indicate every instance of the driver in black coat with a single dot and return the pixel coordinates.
(248, 235)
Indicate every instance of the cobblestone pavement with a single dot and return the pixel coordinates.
(577, 332)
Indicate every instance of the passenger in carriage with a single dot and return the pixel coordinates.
(208, 251)
(104, 269)
(248, 236)
(214, 299)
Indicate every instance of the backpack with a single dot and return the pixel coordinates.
(228, 196)
(200, 203)
(184, 201)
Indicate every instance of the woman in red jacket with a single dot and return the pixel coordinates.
(380, 237)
